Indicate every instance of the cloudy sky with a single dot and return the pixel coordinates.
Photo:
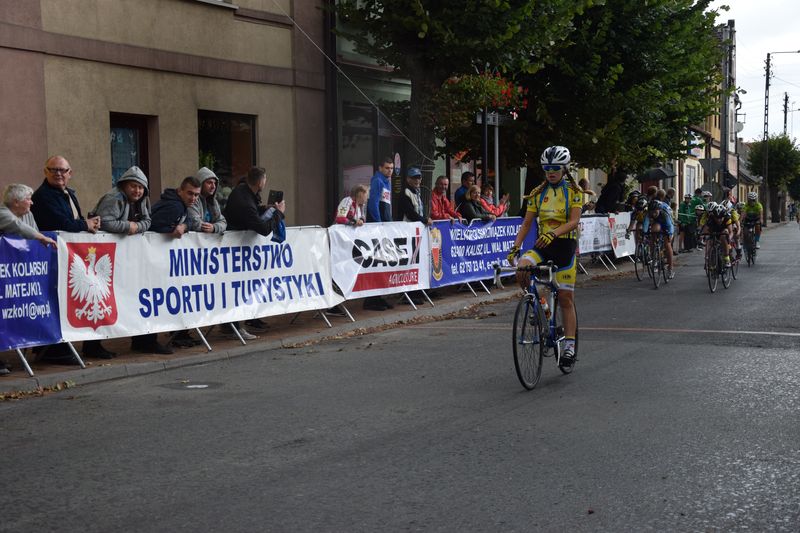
(765, 26)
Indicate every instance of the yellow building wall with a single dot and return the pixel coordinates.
(80, 95)
(176, 26)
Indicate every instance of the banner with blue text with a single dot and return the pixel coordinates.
(118, 286)
(460, 254)
(28, 296)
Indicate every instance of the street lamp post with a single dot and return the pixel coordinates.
(766, 124)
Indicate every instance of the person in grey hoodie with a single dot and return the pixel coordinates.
(205, 214)
(126, 208)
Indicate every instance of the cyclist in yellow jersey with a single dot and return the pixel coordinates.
(556, 205)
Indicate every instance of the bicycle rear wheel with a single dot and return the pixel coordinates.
(712, 264)
(528, 342)
(560, 338)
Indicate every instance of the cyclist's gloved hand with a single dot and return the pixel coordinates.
(512, 255)
(545, 239)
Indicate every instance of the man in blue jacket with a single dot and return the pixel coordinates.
(379, 204)
(170, 213)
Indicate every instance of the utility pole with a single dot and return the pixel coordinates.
(785, 110)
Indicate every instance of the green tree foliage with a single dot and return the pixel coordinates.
(631, 80)
(783, 169)
(428, 41)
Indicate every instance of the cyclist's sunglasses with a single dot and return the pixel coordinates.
(552, 168)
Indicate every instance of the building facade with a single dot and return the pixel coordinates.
(168, 85)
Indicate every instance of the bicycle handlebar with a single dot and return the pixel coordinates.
(545, 270)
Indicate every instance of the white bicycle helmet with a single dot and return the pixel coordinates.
(555, 155)
(720, 210)
(752, 196)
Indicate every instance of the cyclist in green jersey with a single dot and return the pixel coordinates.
(753, 212)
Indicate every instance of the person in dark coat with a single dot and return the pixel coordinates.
(170, 213)
(244, 209)
(56, 208)
(612, 193)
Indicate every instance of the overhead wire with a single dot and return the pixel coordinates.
(355, 85)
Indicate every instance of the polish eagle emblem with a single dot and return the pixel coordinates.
(90, 287)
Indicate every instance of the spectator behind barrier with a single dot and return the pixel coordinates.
(244, 210)
(467, 181)
(379, 204)
(125, 209)
(56, 208)
(16, 217)
(412, 208)
(170, 214)
(611, 195)
(441, 208)
(205, 214)
(471, 207)
(351, 208)
(487, 201)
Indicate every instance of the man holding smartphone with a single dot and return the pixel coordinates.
(244, 211)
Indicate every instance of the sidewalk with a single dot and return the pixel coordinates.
(308, 328)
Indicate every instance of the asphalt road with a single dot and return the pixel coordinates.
(682, 415)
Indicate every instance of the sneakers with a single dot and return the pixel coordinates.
(727, 262)
(670, 274)
(568, 357)
(758, 246)
(246, 335)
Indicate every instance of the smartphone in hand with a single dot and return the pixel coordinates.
(274, 197)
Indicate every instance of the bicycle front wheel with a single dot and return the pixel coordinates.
(657, 260)
(528, 342)
(712, 264)
(638, 262)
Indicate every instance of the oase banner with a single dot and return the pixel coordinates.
(460, 254)
(593, 234)
(28, 298)
(376, 259)
(618, 226)
(117, 286)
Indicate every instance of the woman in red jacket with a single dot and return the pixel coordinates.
(487, 201)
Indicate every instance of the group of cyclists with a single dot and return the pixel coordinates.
(556, 206)
(724, 218)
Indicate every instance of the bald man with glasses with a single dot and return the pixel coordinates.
(55, 205)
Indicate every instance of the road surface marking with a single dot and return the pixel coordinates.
(632, 330)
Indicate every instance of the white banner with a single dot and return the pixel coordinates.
(594, 235)
(377, 259)
(618, 225)
(117, 286)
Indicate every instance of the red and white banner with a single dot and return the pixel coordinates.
(376, 259)
(117, 286)
(618, 224)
